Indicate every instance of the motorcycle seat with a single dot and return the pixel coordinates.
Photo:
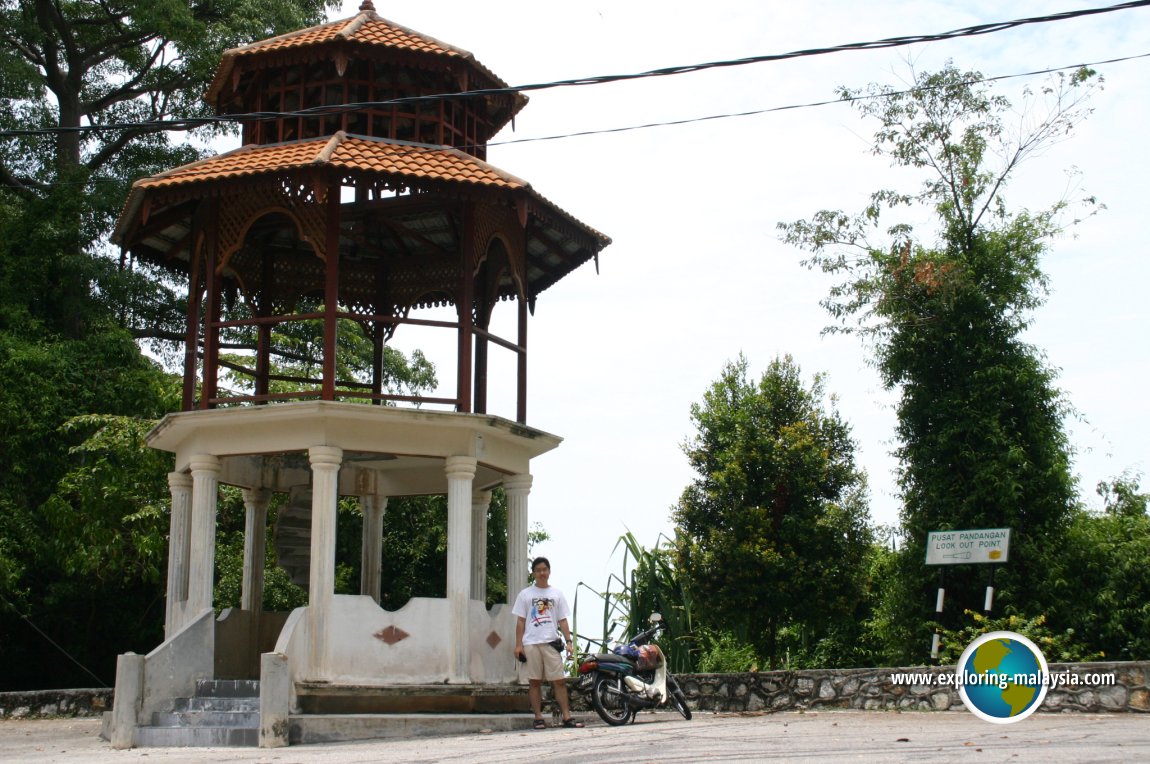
(613, 658)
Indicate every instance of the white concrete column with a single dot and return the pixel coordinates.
(517, 488)
(371, 550)
(325, 463)
(180, 486)
(460, 474)
(255, 547)
(480, 503)
(202, 539)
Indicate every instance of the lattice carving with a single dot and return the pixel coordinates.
(501, 221)
(237, 214)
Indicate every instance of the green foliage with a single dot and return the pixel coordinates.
(648, 583)
(99, 63)
(721, 652)
(1057, 647)
(1102, 582)
(981, 441)
(772, 532)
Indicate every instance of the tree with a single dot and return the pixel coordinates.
(979, 418)
(772, 533)
(1102, 583)
(121, 66)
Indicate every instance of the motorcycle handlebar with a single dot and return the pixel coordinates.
(644, 637)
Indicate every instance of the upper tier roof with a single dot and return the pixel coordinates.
(362, 35)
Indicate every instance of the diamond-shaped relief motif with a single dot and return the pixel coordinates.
(493, 640)
(391, 635)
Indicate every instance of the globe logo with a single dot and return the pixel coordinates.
(1002, 677)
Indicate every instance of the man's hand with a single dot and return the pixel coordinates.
(520, 655)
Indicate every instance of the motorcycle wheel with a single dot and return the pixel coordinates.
(677, 699)
(609, 697)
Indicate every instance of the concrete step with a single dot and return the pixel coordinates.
(223, 705)
(250, 719)
(318, 728)
(197, 737)
(227, 688)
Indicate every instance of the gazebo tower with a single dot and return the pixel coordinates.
(360, 197)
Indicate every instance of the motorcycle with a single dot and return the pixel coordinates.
(630, 678)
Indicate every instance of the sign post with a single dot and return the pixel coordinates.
(979, 546)
(988, 545)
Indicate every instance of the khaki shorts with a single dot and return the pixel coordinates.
(544, 663)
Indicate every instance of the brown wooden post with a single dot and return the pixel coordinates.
(263, 331)
(481, 344)
(378, 328)
(192, 330)
(466, 301)
(331, 292)
(212, 308)
(521, 382)
(481, 374)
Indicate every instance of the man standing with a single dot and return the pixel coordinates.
(542, 613)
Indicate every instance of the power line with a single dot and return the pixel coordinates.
(890, 42)
(812, 104)
(728, 115)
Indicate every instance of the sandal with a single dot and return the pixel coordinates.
(539, 724)
(572, 723)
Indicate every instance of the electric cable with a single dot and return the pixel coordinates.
(890, 42)
(727, 115)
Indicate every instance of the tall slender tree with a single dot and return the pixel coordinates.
(981, 439)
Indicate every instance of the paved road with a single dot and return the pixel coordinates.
(662, 739)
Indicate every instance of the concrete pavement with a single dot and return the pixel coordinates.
(661, 738)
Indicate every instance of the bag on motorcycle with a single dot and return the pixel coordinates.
(649, 657)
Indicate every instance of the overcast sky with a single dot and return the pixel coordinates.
(697, 274)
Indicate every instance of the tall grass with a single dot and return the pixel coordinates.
(647, 583)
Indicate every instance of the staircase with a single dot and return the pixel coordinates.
(223, 712)
(293, 535)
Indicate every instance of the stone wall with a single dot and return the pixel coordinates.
(873, 690)
(860, 689)
(40, 704)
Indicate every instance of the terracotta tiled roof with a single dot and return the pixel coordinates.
(411, 161)
(366, 28)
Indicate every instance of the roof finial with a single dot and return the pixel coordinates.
(366, 5)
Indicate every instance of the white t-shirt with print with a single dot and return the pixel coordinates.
(542, 609)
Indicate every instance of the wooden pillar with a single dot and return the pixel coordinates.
(331, 292)
(481, 374)
(466, 301)
(192, 330)
(212, 308)
(264, 331)
(521, 375)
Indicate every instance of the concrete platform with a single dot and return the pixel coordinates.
(307, 729)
